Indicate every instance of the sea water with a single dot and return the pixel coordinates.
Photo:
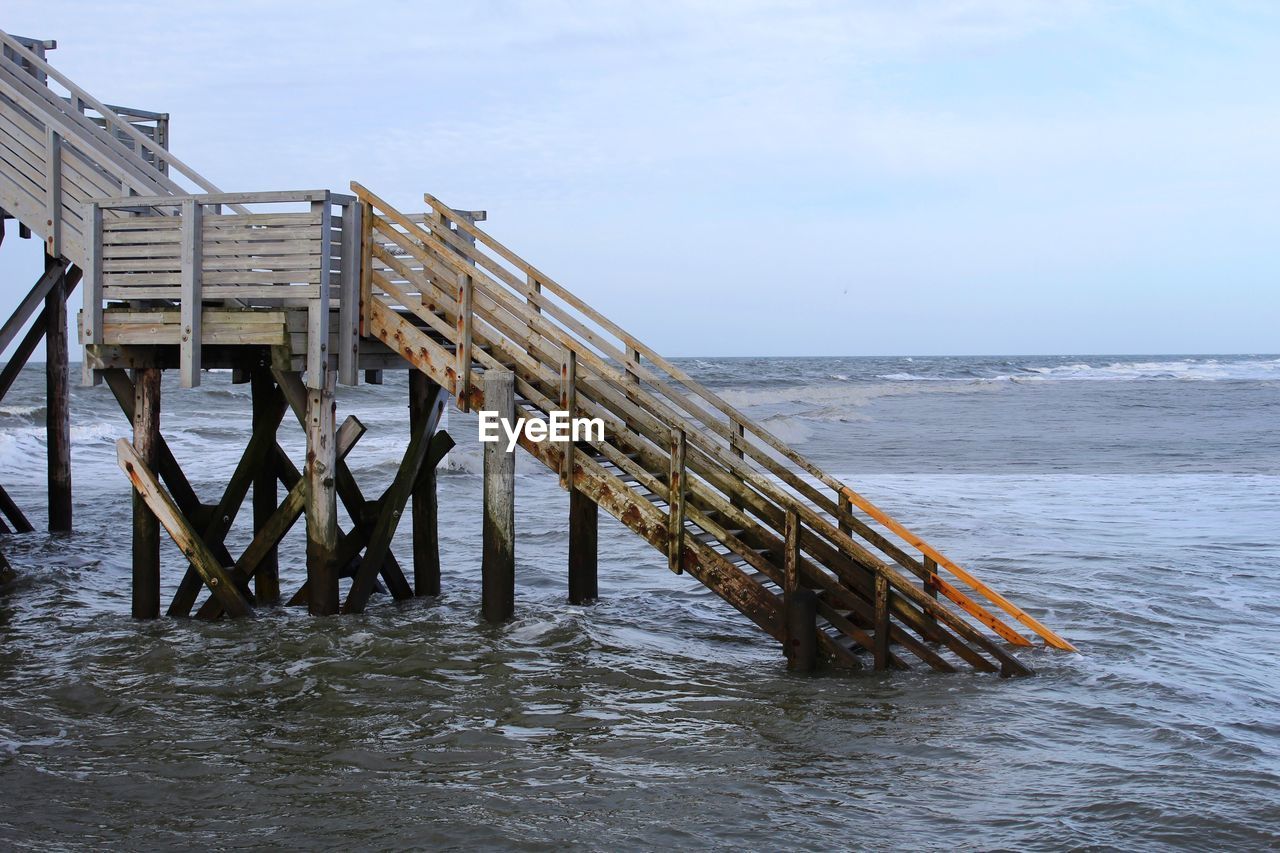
(1130, 502)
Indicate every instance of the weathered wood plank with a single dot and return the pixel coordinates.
(322, 503)
(266, 419)
(146, 527)
(256, 454)
(882, 623)
(181, 531)
(192, 281)
(426, 404)
(391, 507)
(269, 534)
(498, 561)
(463, 354)
(57, 398)
(675, 502)
(583, 548)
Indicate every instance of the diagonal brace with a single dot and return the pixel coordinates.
(280, 522)
(158, 501)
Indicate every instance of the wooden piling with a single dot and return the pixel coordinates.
(802, 630)
(498, 562)
(584, 517)
(423, 396)
(321, 503)
(882, 627)
(57, 401)
(266, 578)
(146, 527)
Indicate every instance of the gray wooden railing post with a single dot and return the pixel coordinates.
(498, 561)
(53, 191)
(349, 299)
(462, 369)
(192, 292)
(92, 279)
(675, 502)
(318, 309)
(569, 404)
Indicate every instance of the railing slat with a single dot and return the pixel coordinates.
(569, 404)
(675, 503)
(463, 351)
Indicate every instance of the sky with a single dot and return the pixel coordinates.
(763, 178)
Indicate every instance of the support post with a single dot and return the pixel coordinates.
(322, 503)
(266, 579)
(146, 527)
(424, 395)
(799, 603)
(584, 516)
(57, 400)
(802, 630)
(498, 564)
(881, 637)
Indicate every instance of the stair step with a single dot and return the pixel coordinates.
(605, 460)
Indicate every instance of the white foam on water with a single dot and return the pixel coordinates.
(1191, 369)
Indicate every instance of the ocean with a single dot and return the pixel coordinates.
(1129, 502)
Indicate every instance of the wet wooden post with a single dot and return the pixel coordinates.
(799, 603)
(584, 518)
(498, 563)
(146, 527)
(930, 587)
(802, 630)
(423, 396)
(322, 503)
(58, 401)
(881, 636)
(583, 513)
(675, 501)
(845, 511)
(266, 580)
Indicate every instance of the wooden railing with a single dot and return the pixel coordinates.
(713, 466)
(287, 249)
(60, 147)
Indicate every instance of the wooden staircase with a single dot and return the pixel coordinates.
(719, 496)
(725, 501)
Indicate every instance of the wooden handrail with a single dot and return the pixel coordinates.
(513, 295)
(117, 124)
(738, 419)
(937, 556)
